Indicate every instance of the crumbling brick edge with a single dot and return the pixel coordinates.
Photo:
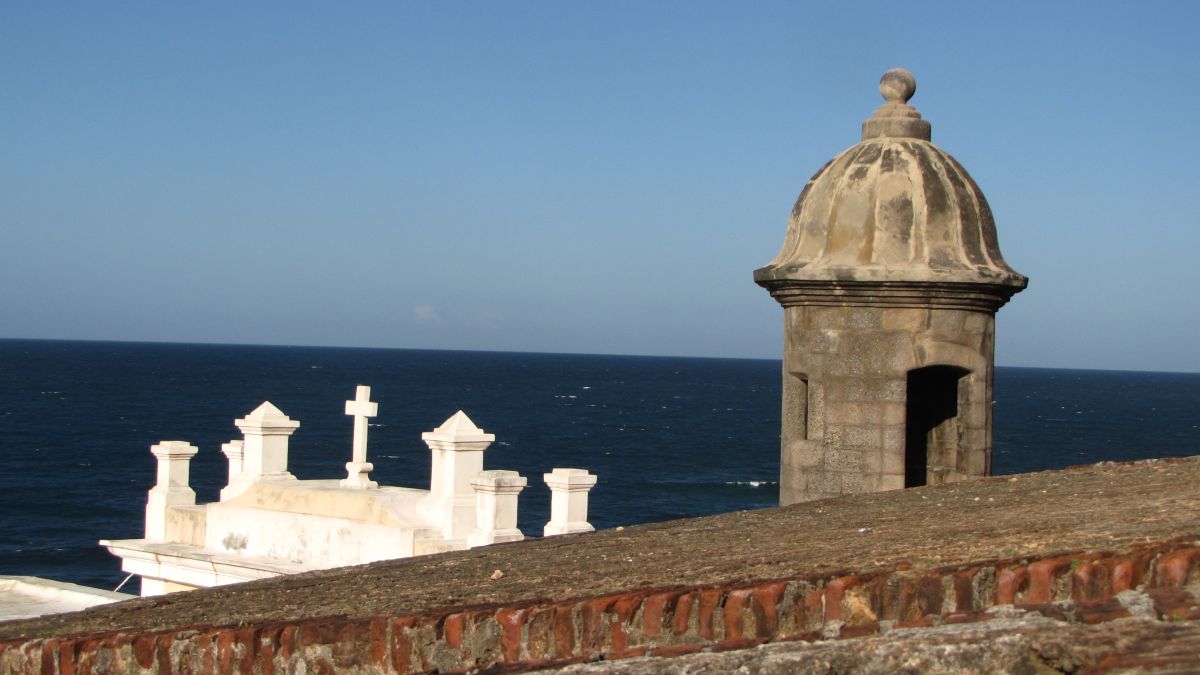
(1078, 586)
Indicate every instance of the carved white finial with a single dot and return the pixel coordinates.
(362, 408)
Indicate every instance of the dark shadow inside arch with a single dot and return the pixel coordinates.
(930, 420)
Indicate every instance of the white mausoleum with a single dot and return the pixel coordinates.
(269, 523)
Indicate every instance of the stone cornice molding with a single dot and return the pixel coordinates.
(899, 294)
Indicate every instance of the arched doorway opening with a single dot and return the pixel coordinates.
(931, 423)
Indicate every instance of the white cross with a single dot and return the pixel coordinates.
(362, 408)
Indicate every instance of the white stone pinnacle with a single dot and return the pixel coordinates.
(266, 415)
(174, 460)
(361, 408)
(457, 456)
(458, 429)
(496, 507)
(568, 501)
(265, 433)
(235, 452)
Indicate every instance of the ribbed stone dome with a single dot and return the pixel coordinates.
(894, 208)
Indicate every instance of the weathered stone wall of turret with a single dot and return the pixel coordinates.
(846, 395)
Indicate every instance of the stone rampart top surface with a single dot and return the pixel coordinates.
(1098, 507)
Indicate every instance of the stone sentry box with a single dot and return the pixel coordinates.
(890, 276)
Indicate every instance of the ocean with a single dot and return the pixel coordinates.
(668, 437)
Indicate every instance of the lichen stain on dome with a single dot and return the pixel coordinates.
(895, 207)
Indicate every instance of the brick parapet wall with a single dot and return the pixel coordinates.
(1073, 586)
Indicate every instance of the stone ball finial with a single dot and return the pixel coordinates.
(897, 85)
(896, 118)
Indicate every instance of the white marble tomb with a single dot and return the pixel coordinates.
(267, 522)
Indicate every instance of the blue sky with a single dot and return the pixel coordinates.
(571, 177)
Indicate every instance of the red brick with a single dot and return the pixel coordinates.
(592, 613)
(683, 613)
(143, 650)
(709, 599)
(766, 606)
(86, 656)
(964, 589)
(1174, 568)
(204, 647)
(730, 645)
(811, 612)
(49, 649)
(452, 629)
(1089, 582)
(1124, 576)
(267, 638)
(401, 646)
(618, 640)
(379, 642)
(653, 610)
(676, 650)
(225, 651)
(247, 638)
(899, 598)
(511, 621)
(66, 657)
(625, 606)
(835, 590)
(735, 602)
(564, 631)
(929, 594)
(318, 633)
(591, 618)
(287, 642)
(1009, 583)
(1042, 577)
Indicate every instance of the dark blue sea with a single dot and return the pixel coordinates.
(668, 437)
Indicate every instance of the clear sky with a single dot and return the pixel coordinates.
(575, 177)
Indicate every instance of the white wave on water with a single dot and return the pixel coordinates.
(752, 483)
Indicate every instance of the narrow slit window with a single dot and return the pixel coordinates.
(796, 405)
